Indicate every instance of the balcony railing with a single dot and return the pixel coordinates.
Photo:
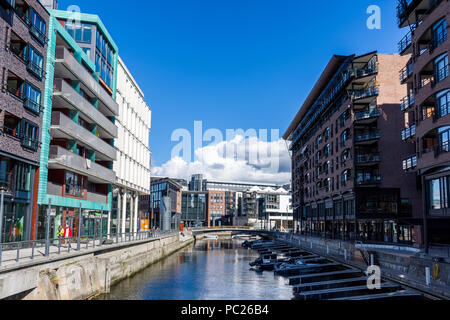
(32, 105)
(409, 133)
(407, 102)
(410, 163)
(406, 73)
(29, 143)
(373, 180)
(367, 136)
(38, 34)
(438, 39)
(359, 73)
(369, 92)
(440, 75)
(35, 69)
(405, 43)
(368, 158)
(363, 115)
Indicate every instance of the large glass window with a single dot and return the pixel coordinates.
(444, 138)
(23, 177)
(39, 27)
(81, 32)
(438, 193)
(439, 33)
(29, 134)
(443, 103)
(35, 61)
(74, 184)
(441, 68)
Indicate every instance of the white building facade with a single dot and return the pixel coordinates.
(133, 152)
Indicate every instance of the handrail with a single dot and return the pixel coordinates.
(30, 249)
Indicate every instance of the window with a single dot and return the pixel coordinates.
(444, 138)
(35, 62)
(38, 26)
(80, 32)
(32, 98)
(74, 185)
(438, 193)
(23, 177)
(29, 134)
(443, 99)
(439, 33)
(441, 68)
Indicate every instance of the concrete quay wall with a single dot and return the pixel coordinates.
(404, 267)
(87, 276)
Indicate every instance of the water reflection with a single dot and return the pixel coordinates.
(210, 270)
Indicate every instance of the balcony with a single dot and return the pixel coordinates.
(410, 163)
(405, 44)
(61, 158)
(407, 10)
(409, 133)
(28, 143)
(31, 105)
(407, 102)
(35, 69)
(367, 138)
(406, 73)
(65, 128)
(65, 96)
(67, 67)
(365, 94)
(367, 116)
(368, 159)
(373, 180)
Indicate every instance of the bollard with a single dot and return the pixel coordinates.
(328, 250)
(311, 245)
(428, 276)
(372, 259)
(345, 254)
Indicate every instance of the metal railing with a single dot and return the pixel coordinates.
(406, 72)
(368, 158)
(405, 42)
(30, 250)
(408, 133)
(363, 115)
(407, 102)
(410, 163)
(367, 136)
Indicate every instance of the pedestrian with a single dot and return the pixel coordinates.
(60, 232)
(67, 231)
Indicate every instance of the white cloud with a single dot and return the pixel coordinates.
(246, 160)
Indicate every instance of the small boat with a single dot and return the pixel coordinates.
(212, 237)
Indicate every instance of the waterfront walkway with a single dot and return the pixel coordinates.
(25, 254)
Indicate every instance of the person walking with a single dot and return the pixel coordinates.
(60, 233)
(68, 232)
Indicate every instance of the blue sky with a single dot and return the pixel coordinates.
(234, 63)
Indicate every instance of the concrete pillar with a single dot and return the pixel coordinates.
(131, 213)
(124, 212)
(136, 213)
(109, 225)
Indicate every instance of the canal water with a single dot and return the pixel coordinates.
(208, 270)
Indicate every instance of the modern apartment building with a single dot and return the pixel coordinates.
(268, 208)
(23, 50)
(347, 154)
(160, 189)
(194, 208)
(132, 166)
(78, 125)
(426, 108)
